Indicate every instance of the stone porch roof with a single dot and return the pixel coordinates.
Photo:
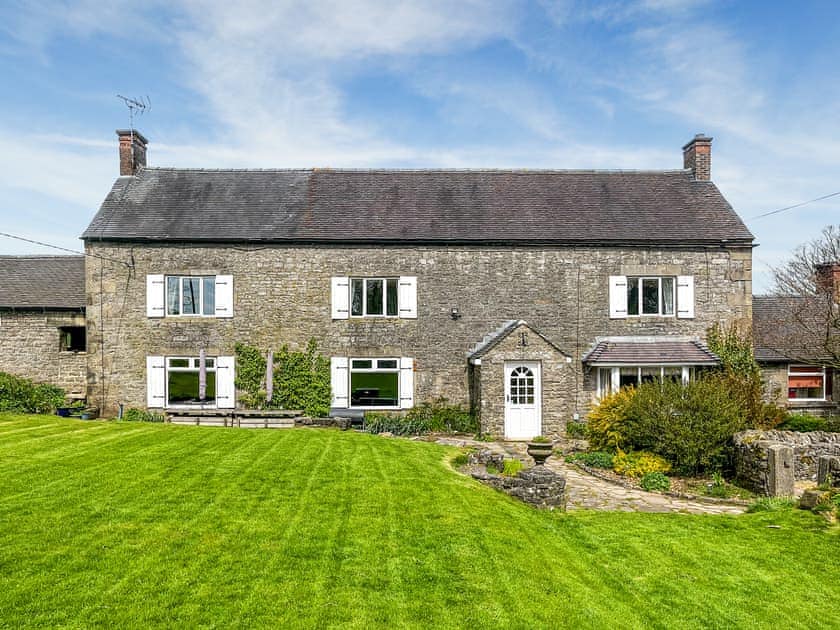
(492, 339)
(651, 351)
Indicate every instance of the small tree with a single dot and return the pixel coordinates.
(807, 329)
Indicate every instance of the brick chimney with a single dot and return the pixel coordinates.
(828, 279)
(697, 156)
(132, 151)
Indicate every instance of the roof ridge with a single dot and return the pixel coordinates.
(506, 171)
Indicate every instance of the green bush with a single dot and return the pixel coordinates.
(772, 504)
(803, 422)
(23, 396)
(655, 481)
(512, 467)
(461, 459)
(576, 429)
(606, 421)
(132, 414)
(594, 459)
(639, 464)
(441, 417)
(380, 422)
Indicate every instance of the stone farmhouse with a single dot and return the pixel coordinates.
(42, 320)
(524, 293)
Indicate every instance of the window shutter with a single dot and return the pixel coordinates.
(406, 383)
(340, 382)
(225, 379)
(618, 297)
(224, 296)
(340, 297)
(155, 382)
(155, 296)
(685, 297)
(408, 297)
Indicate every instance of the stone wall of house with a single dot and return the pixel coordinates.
(282, 295)
(557, 380)
(31, 343)
(752, 454)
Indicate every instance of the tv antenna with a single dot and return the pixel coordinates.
(139, 106)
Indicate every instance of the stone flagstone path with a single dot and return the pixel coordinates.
(591, 493)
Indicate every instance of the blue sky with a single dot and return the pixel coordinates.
(563, 84)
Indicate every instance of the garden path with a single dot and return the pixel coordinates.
(587, 492)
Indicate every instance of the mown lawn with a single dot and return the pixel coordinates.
(137, 525)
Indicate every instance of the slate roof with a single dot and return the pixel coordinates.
(788, 328)
(39, 282)
(650, 351)
(381, 206)
(493, 338)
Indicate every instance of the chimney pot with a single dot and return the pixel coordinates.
(132, 151)
(697, 157)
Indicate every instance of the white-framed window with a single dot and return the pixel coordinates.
(184, 386)
(806, 382)
(189, 295)
(650, 295)
(611, 379)
(178, 382)
(374, 297)
(372, 382)
(646, 296)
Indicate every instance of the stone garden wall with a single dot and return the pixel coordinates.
(755, 452)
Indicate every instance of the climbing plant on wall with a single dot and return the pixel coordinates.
(301, 380)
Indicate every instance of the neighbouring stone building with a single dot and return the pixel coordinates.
(523, 293)
(42, 320)
(791, 335)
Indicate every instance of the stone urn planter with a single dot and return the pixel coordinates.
(540, 451)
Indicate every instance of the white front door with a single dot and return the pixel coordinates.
(523, 411)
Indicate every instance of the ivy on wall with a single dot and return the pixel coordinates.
(301, 380)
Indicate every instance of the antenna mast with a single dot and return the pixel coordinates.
(140, 106)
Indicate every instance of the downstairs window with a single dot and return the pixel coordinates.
(183, 381)
(611, 379)
(806, 382)
(374, 382)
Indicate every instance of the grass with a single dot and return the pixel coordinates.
(149, 525)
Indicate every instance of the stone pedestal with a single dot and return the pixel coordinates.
(780, 468)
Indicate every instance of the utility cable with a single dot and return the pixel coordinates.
(798, 205)
(64, 249)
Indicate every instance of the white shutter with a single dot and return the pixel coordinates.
(406, 383)
(618, 297)
(225, 378)
(340, 382)
(155, 382)
(155, 295)
(685, 297)
(224, 296)
(340, 297)
(408, 297)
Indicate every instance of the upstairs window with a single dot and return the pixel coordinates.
(191, 295)
(647, 296)
(372, 297)
(806, 382)
(650, 296)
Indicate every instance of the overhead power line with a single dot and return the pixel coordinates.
(64, 249)
(798, 205)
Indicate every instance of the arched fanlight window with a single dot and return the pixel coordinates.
(522, 386)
